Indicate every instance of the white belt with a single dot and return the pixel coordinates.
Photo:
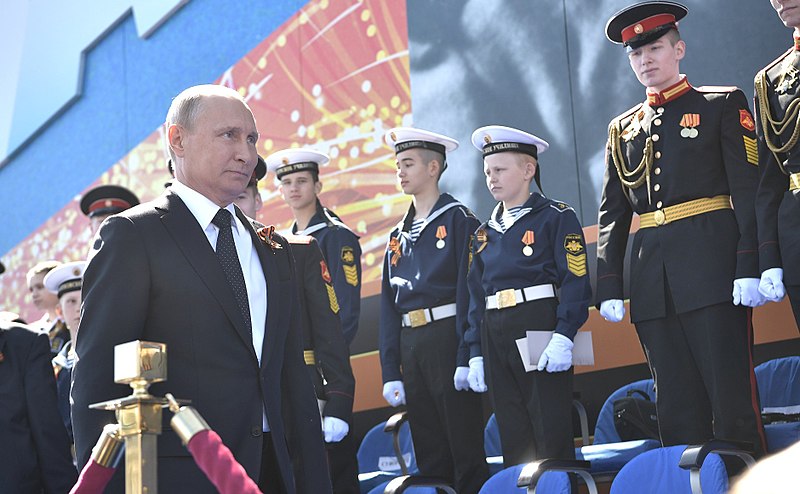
(421, 317)
(511, 297)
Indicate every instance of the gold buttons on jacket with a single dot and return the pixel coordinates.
(657, 171)
(659, 204)
(658, 154)
(655, 137)
(657, 122)
(657, 187)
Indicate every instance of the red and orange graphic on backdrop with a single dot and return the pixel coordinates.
(334, 77)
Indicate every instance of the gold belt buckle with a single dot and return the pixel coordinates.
(417, 318)
(659, 217)
(506, 298)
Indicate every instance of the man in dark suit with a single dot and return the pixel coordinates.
(685, 161)
(189, 269)
(35, 453)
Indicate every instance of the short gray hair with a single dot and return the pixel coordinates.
(187, 105)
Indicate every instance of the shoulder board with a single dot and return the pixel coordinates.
(298, 239)
(561, 206)
(716, 89)
(626, 113)
(776, 61)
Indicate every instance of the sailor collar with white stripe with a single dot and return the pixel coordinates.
(324, 221)
(443, 204)
(535, 202)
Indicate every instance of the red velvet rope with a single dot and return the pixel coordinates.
(219, 465)
(93, 479)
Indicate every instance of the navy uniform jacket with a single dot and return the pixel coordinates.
(34, 449)
(777, 207)
(343, 254)
(153, 276)
(419, 275)
(322, 331)
(558, 258)
(700, 256)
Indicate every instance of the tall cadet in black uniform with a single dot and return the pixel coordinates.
(424, 301)
(777, 87)
(298, 173)
(685, 161)
(528, 272)
(324, 349)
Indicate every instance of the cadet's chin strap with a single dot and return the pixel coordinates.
(537, 179)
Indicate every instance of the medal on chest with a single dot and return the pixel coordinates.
(689, 122)
(394, 248)
(527, 239)
(441, 233)
(789, 78)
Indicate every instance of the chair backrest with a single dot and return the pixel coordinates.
(657, 472)
(604, 431)
(505, 482)
(779, 382)
(376, 452)
(491, 438)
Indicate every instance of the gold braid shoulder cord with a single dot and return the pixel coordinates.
(778, 127)
(627, 177)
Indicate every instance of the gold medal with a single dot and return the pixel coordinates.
(527, 251)
(440, 244)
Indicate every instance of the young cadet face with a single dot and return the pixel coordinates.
(414, 172)
(656, 64)
(219, 152)
(788, 11)
(249, 201)
(70, 304)
(299, 189)
(508, 176)
(42, 298)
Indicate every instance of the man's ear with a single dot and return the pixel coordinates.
(530, 169)
(259, 201)
(175, 137)
(317, 187)
(434, 167)
(680, 49)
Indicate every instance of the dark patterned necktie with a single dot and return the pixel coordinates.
(226, 253)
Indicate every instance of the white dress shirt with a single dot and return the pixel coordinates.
(204, 210)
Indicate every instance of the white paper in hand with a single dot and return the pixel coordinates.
(536, 342)
(522, 347)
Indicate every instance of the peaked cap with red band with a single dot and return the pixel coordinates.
(107, 199)
(643, 23)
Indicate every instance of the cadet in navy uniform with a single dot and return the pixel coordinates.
(298, 174)
(424, 301)
(66, 282)
(776, 88)
(530, 248)
(324, 348)
(104, 200)
(685, 161)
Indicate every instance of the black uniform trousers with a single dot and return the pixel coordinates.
(533, 409)
(446, 425)
(793, 291)
(343, 464)
(702, 364)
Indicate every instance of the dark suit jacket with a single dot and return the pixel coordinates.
(153, 276)
(322, 329)
(34, 448)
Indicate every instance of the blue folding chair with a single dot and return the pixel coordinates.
(506, 482)
(779, 387)
(377, 460)
(658, 472)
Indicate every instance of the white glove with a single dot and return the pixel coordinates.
(745, 292)
(460, 379)
(475, 377)
(394, 393)
(612, 310)
(335, 429)
(557, 355)
(771, 285)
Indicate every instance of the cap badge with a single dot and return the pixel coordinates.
(76, 271)
(108, 203)
(487, 139)
(393, 136)
(285, 161)
(638, 29)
